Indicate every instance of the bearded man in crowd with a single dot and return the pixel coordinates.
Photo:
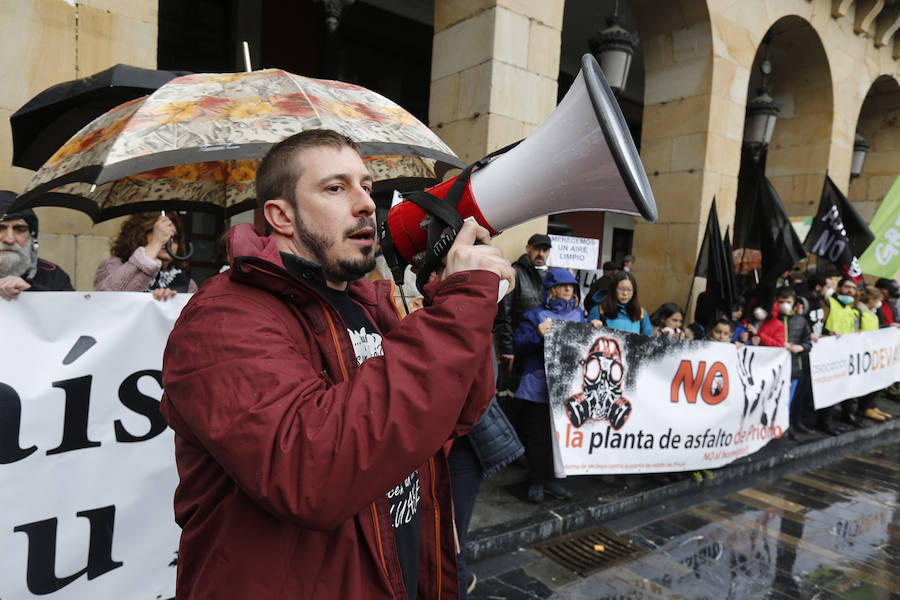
(20, 268)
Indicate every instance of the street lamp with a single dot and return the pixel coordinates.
(762, 112)
(861, 147)
(613, 47)
(332, 10)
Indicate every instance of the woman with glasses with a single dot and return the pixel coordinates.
(621, 309)
(140, 261)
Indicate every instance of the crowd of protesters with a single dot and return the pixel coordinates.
(799, 310)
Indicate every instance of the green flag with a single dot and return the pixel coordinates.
(882, 257)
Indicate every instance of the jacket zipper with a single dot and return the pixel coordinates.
(437, 526)
(346, 376)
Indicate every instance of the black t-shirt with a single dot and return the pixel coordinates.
(403, 498)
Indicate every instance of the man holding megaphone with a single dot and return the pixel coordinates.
(309, 420)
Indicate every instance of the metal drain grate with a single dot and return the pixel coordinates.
(589, 551)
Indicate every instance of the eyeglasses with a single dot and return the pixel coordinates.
(625, 290)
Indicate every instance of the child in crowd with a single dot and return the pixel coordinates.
(667, 321)
(741, 334)
(721, 331)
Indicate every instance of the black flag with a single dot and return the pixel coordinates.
(838, 233)
(716, 264)
(762, 224)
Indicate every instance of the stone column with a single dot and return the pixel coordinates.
(45, 42)
(493, 80)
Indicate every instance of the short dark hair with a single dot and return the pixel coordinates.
(277, 174)
(785, 291)
(722, 321)
(815, 280)
(665, 310)
(845, 279)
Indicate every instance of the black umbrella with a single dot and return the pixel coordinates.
(48, 120)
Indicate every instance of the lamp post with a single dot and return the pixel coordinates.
(762, 112)
(332, 10)
(613, 47)
(861, 147)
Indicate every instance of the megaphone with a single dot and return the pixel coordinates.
(581, 158)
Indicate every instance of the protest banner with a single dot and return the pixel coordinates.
(573, 252)
(87, 469)
(882, 258)
(625, 403)
(854, 365)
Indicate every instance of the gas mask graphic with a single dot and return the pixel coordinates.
(601, 396)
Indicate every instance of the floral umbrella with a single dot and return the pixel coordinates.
(194, 144)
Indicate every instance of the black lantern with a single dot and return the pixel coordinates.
(332, 10)
(613, 48)
(861, 147)
(762, 112)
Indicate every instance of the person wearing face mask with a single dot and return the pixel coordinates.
(797, 341)
(560, 303)
(840, 319)
(667, 321)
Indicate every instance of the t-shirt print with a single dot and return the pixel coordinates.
(366, 345)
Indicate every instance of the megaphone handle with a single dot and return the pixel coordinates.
(171, 252)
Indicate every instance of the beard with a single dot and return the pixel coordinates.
(20, 261)
(337, 269)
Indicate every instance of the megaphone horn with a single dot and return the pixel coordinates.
(581, 158)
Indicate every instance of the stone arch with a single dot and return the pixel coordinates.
(801, 82)
(677, 41)
(879, 123)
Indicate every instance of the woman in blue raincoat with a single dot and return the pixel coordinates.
(560, 303)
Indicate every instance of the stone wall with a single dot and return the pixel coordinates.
(493, 80)
(49, 41)
(699, 56)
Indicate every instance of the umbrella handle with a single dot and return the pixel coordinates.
(187, 256)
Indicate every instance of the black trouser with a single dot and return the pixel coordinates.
(465, 479)
(535, 422)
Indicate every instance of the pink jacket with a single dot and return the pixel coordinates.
(135, 275)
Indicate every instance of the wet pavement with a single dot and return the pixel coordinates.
(504, 519)
(829, 532)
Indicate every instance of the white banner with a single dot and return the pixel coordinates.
(854, 365)
(624, 403)
(87, 470)
(573, 252)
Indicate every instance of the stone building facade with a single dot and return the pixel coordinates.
(495, 69)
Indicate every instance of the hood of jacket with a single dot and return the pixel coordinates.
(556, 277)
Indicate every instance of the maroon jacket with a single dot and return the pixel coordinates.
(286, 449)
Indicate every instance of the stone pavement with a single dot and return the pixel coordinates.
(829, 532)
(504, 520)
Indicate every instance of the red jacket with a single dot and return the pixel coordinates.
(771, 331)
(285, 449)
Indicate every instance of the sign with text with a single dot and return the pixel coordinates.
(87, 469)
(573, 252)
(854, 365)
(626, 403)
